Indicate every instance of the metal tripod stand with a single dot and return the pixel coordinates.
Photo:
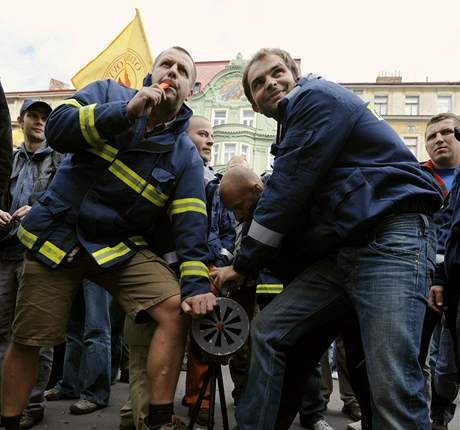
(219, 334)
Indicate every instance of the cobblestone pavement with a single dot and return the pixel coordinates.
(57, 416)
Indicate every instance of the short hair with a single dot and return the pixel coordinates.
(441, 117)
(261, 53)
(183, 50)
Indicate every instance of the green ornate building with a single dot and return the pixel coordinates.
(238, 130)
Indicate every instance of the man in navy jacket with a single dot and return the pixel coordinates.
(131, 165)
(361, 209)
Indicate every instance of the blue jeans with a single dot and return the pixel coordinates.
(444, 377)
(313, 403)
(386, 280)
(87, 360)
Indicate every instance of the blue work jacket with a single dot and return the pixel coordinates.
(338, 169)
(110, 195)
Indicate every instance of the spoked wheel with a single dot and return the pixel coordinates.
(223, 331)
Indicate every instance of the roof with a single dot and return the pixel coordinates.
(206, 70)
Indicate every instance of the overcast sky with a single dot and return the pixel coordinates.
(345, 41)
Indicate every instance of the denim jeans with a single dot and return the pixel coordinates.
(386, 280)
(444, 377)
(87, 360)
(313, 403)
(10, 276)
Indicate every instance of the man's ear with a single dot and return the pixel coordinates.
(255, 107)
(258, 188)
(20, 120)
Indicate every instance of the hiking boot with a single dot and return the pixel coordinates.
(175, 424)
(55, 394)
(29, 419)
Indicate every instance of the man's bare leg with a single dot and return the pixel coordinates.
(166, 350)
(19, 374)
(164, 360)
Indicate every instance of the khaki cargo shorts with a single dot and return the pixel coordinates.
(45, 295)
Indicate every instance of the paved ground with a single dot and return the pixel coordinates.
(57, 416)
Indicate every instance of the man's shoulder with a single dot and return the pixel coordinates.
(105, 89)
(321, 93)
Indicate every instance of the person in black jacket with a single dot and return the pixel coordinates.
(6, 145)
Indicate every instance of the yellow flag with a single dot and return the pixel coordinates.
(126, 60)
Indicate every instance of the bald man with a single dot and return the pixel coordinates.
(240, 189)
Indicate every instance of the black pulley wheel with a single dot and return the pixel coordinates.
(223, 331)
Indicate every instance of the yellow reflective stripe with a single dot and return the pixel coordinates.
(27, 238)
(72, 102)
(52, 252)
(105, 151)
(128, 176)
(88, 126)
(154, 196)
(187, 205)
(269, 288)
(138, 240)
(110, 253)
(193, 268)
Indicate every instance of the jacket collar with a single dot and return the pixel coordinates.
(41, 152)
(301, 83)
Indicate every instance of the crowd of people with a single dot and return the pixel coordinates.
(113, 221)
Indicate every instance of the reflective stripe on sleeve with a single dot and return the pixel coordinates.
(265, 235)
(52, 252)
(193, 268)
(107, 254)
(187, 205)
(439, 258)
(27, 238)
(269, 288)
(72, 102)
(170, 257)
(226, 253)
(88, 126)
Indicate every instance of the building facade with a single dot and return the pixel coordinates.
(238, 130)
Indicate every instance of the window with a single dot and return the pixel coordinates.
(220, 117)
(411, 143)
(412, 105)
(248, 117)
(245, 151)
(270, 160)
(444, 104)
(229, 151)
(215, 154)
(381, 105)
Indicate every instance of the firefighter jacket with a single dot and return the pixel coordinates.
(221, 225)
(338, 169)
(109, 196)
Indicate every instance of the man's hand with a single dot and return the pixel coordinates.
(144, 101)
(436, 298)
(199, 305)
(220, 275)
(5, 219)
(21, 213)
